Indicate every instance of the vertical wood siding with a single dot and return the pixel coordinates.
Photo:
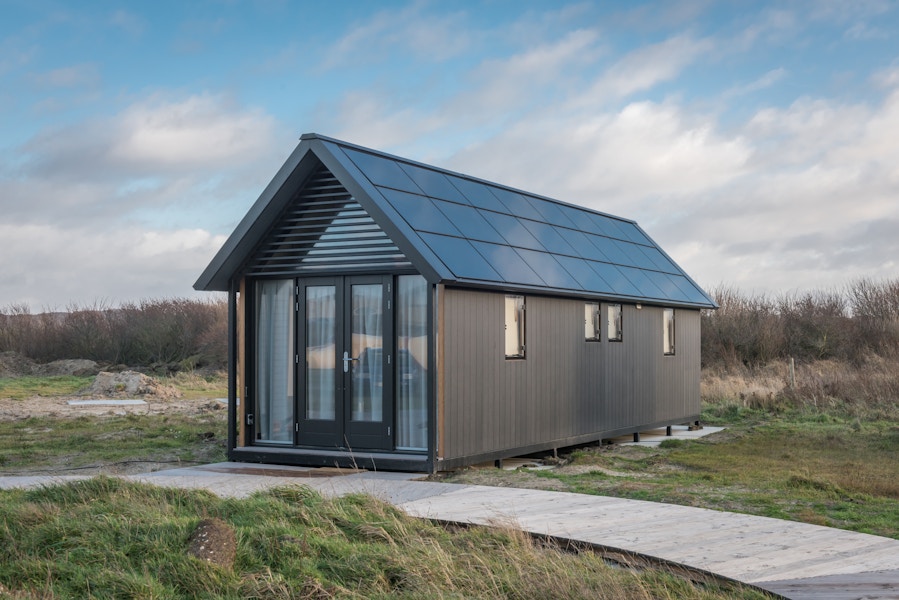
(566, 386)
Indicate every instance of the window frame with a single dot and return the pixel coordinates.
(592, 313)
(618, 329)
(669, 330)
(519, 322)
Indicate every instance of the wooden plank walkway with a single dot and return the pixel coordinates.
(794, 560)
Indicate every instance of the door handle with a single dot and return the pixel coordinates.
(346, 362)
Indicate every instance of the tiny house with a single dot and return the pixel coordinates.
(392, 315)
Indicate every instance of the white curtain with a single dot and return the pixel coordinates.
(274, 361)
(412, 363)
(321, 302)
(368, 342)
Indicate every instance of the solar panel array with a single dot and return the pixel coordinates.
(484, 232)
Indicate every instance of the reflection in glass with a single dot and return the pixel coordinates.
(668, 330)
(274, 361)
(367, 355)
(321, 324)
(591, 321)
(412, 362)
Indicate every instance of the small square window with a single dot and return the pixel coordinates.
(591, 322)
(515, 327)
(615, 333)
(668, 330)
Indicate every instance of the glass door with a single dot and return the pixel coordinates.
(343, 362)
(320, 407)
(366, 358)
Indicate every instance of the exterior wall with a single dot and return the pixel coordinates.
(566, 390)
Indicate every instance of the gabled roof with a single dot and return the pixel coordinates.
(461, 230)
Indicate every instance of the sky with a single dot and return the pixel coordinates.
(756, 142)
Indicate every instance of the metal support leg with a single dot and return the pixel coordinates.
(498, 463)
(668, 431)
(636, 437)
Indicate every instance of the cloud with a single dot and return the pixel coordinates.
(765, 81)
(645, 68)
(436, 37)
(646, 152)
(200, 132)
(130, 23)
(83, 75)
(83, 266)
(122, 207)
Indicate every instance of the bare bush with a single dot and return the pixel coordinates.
(170, 333)
(849, 324)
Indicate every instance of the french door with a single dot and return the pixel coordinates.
(344, 333)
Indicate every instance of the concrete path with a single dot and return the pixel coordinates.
(795, 560)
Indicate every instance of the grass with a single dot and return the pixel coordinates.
(19, 388)
(193, 385)
(106, 538)
(53, 444)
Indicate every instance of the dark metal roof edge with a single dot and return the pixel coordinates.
(245, 236)
(409, 161)
(419, 254)
(572, 293)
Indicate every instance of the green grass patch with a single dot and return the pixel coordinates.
(106, 538)
(47, 443)
(194, 386)
(18, 388)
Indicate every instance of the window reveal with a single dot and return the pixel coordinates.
(514, 327)
(668, 330)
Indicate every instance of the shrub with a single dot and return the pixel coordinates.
(166, 333)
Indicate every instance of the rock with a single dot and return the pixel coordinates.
(214, 541)
(130, 384)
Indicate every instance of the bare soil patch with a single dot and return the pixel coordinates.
(214, 541)
(38, 406)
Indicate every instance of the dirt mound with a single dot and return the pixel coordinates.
(130, 384)
(13, 364)
(214, 541)
(67, 367)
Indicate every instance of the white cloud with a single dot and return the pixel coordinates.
(765, 81)
(413, 29)
(120, 208)
(50, 267)
(646, 161)
(200, 132)
(645, 68)
(82, 75)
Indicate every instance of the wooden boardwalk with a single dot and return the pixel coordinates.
(794, 560)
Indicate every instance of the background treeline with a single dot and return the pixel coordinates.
(168, 334)
(853, 324)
